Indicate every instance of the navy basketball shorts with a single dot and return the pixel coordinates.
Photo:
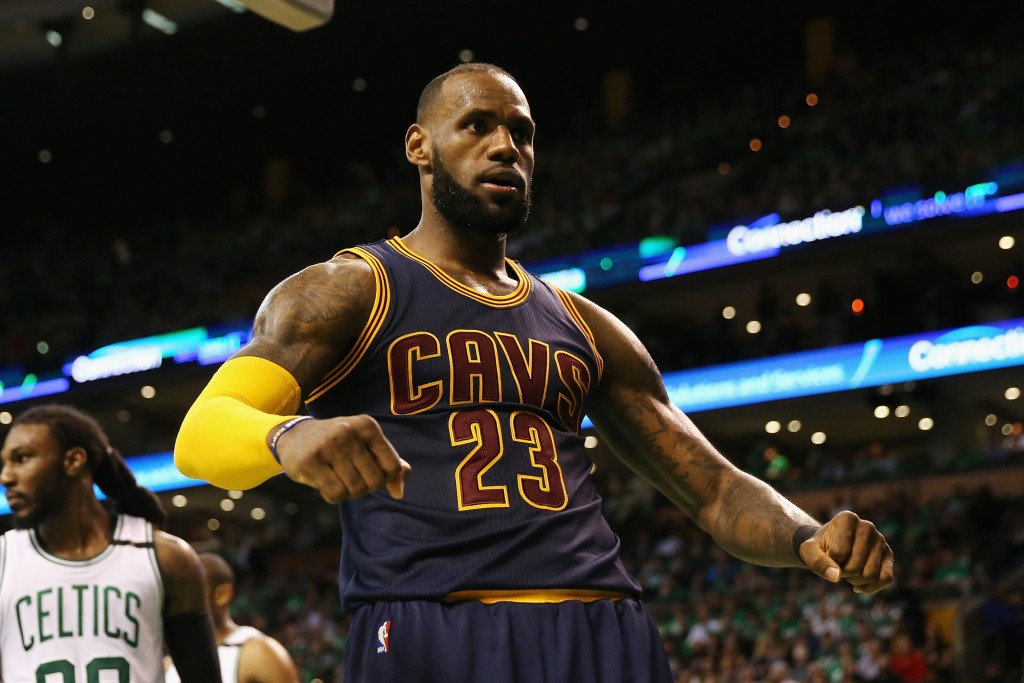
(604, 641)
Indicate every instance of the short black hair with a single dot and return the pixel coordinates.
(217, 569)
(432, 91)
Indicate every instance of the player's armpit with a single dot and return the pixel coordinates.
(633, 414)
(223, 438)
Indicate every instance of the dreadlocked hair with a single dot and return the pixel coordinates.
(72, 428)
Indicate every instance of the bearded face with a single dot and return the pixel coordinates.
(460, 206)
(33, 475)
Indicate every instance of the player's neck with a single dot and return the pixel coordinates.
(223, 626)
(80, 530)
(475, 259)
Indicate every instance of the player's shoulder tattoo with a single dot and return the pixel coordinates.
(337, 290)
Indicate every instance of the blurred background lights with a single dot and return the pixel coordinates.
(45, 156)
(1012, 393)
(977, 276)
(818, 438)
(581, 24)
(925, 424)
(54, 38)
(754, 326)
(784, 121)
(258, 513)
(728, 312)
(902, 410)
(6, 418)
(227, 505)
(755, 145)
(179, 501)
(213, 524)
(259, 111)
(166, 136)
(794, 426)
(811, 99)
(233, 5)
(773, 427)
(235, 495)
(590, 442)
(881, 412)
(857, 306)
(1006, 242)
(1007, 429)
(42, 348)
(147, 391)
(158, 21)
(359, 84)
(88, 12)
(991, 420)
(466, 55)
(124, 416)
(803, 299)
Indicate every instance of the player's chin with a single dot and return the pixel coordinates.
(511, 215)
(24, 518)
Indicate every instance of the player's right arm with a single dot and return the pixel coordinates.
(188, 628)
(304, 326)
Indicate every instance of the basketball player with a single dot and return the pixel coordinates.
(433, 354)
(91, 593)
(247, 655)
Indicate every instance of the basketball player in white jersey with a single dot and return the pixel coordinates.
(247, 655)
(90, 591)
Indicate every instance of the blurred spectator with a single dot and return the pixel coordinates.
(1003, 615)
(776, 465)
(907, 661)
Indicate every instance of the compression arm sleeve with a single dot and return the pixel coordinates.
(193, 646)
(223, 438)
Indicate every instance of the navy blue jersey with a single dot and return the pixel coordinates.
(483, 396)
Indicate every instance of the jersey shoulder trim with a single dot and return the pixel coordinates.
(514, 298)
(241, 635)
(381, 304)
(577, 317)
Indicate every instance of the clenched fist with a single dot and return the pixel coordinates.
(848, 547)
(343, 457)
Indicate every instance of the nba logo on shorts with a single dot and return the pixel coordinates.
(382, 636)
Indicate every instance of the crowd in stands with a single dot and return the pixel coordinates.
(938, 115)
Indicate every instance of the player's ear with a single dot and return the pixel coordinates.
(417, 146)
(223, 594)
(75, 460)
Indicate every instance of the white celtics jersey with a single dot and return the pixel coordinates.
(89, 621)
(228, 651)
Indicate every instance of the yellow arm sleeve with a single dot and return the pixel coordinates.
(223, 438)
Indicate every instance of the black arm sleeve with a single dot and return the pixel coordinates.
(193, 646)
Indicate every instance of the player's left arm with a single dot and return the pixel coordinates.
(632, 412)
(188, 627)
(265, 660)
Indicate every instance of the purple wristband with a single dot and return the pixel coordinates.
(280, 431)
